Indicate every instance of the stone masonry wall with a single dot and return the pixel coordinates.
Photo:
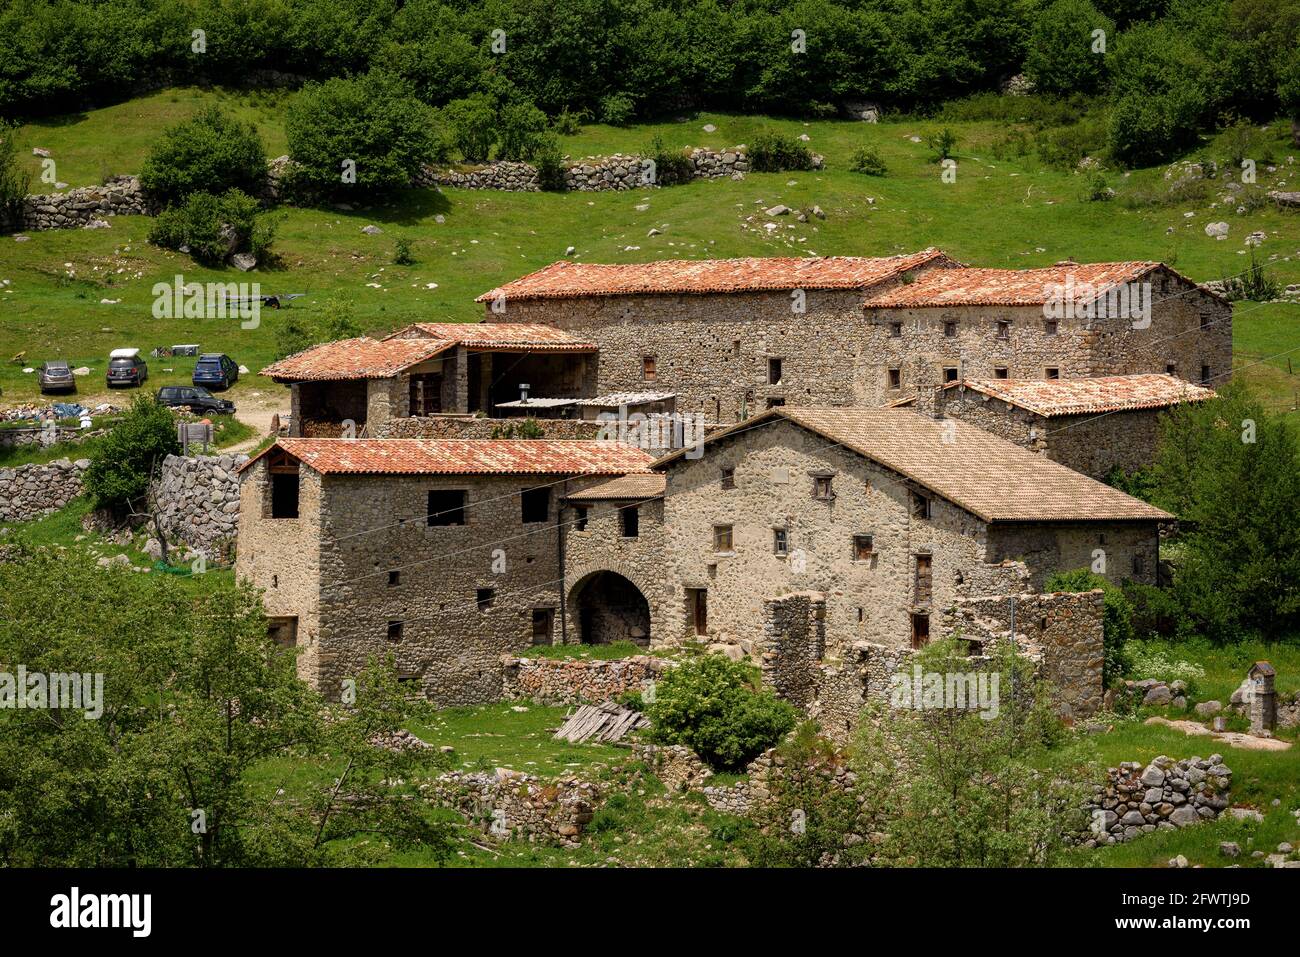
(198, 500)
(1163, 796)
(30, 491)
(79, 208)
(563, 681)
(508, 805)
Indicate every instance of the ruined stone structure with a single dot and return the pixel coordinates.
(197, 499)
(574, 680)
(444, 554)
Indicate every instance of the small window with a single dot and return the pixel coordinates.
(283, 631)
(394, 631)
(780, 541)
(535, 504)
(773, 371)
(895, 330)
(447, 507)
(1052, 372)
(1139, 565)
(648, 368)
(1001, 372)
(284, 494)
(895, 378)
(920, 505)
(728, 478)
(630, 521)
(1004, 329)
(1206, 322)
(543, 620)
(580, 518)
(1050, 326)
(394, 579)
(485, 598)
(920, 630)
(722, 538)
(1205, 374)
(950, 330)
(949, 373)
(775, 402)
(863, 548)
(1171, 368)
(822, 487)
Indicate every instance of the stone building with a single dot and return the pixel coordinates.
(445, 554)
(1091, 425)
(891, 516)
(428, 369)
(734, 337)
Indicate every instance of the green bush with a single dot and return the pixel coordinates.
(212, 227)
(521, 130)
(867, 160)
(210, 152)
(1060, 58)
(1117, 619)
(371, 125)
(471, 124)
(402, 253)
(672, 167)
(773, 152)
(712, 706)
(617, 109)
(15, 182)
(943, 142)
(549, 162)
(1097, 190)
(1254, 284)
(124, 460)
(298, 329)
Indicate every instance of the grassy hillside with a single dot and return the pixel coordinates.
(1013, 212)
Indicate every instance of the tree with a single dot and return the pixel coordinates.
(211, 152)
(1061, 58)
(14, 180)
(125, 460)
(471, 126)
(195, 700)
(366, 134)
(298, 329)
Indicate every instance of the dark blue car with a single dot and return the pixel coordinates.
(215, 370)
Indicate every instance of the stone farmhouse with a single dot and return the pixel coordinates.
(1091, 425)
(444, 553)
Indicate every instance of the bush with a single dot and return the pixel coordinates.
(1117, 619)
(213, 227)
(402, 255)
(773, 152)
(712, 706)
(471, 124)
(15, 182)
(1097, 190)
(126, 459)
(549, 162)
(369, 125)
(617, 109)
(521, 130)
(209, 153)
(299, 329)
(943, 143)
(672, 167)
(867, 160)
(1060, 58)
(1254, 284)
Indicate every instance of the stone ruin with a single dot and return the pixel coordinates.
(1163, 796)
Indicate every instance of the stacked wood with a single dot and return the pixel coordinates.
(603, 723)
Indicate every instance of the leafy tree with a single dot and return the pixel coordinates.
(209, 153)
(299, 329)
(1061, 59)
(712, 705)
(521, 131)
(1117, 618)
(125, 460)
(196, 700)
(15, 182)
(471, 126)
(369, 128)
(1160, 94)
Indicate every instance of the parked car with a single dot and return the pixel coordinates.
(56, 376)
(125, 367)
(197, 400)
(215, 370)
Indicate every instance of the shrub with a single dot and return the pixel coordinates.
(209, 153)
(672, 167)
(1060, 58)
(298, 329)
(371, 125)
(213, 227)
(773, 152)
(521, 129)
(549, 162)
(471, 124)
(1117, 618)
(712, 706)
(943, 143)
(126, 459)
(569, 122)
(617, 109)
(1254, 284)
(1150, 661)
(402, 255)
(1097, 190)
(867, 160)
(15, 182)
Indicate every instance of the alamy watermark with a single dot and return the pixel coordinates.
(654, 430)
(55, 690)
(946, 690)
(1085, 300)
(209, 300)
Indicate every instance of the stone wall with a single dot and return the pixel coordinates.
(478, 427)
(508, 805)
(511, 177)
(86, 205)
(198, 501)
(38, 435)
(562, 681)
(677, 766)
(1163, 796)
(30, 491)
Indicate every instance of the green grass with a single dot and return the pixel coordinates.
(998, 213)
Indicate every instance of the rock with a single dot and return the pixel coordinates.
(243, 261)
(1158, 696)
(709, 128)
(1246, 814)
(1230, 849)
(371, 230)
(1178, 861)
(1184, 816)
(778, 210)
(1208, 709)
(1217, 230)
(1285, 848)
(1153, 777)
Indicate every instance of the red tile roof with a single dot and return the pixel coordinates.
(625, 488)
(968, 286)
(530, 336)
(362, 358)
(463, 456)
(569, 280)
(993, 479)
(1112, 393)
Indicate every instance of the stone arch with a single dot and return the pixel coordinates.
(606, 605)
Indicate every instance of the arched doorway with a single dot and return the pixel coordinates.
(606, 607)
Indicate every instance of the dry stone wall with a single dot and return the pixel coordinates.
(30, 491)
(508, 805)
(1163, 796)
(86, 206)
(198, 500)
(558, 681)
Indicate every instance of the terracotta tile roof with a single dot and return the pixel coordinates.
(532, 336)
(969, 286)
(1111, 393)
(362, 358)
(626, 488)
(991, 478)
(569, 280)
(463, 456)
